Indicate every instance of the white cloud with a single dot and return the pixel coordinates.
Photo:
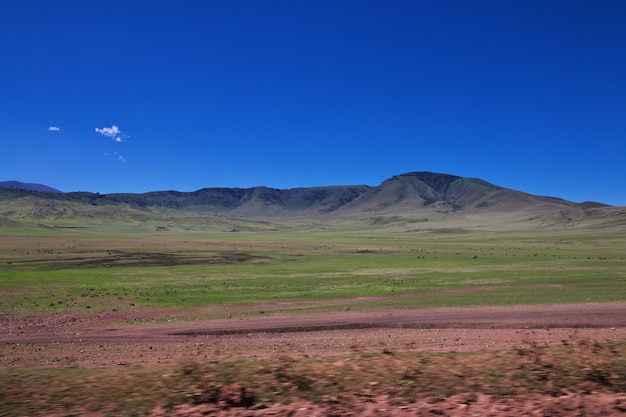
(54, 128)
(117, 135)
(109, 131)
(112, 132)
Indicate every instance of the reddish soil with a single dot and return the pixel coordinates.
(95, 341)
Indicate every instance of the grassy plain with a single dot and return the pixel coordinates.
(306, 269)
(294, 271)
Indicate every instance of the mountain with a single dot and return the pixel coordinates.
(28, 186)
(407, 200)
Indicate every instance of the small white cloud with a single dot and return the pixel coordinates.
(112, 132)
(54, 128)
(109, 131)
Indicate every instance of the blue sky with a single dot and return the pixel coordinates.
(136, 96)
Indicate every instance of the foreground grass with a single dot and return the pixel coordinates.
(579, 366)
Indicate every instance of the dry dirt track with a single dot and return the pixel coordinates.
(95, 341)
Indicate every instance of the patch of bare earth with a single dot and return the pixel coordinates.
(95, 341)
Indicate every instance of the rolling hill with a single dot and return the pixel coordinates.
(407, 201)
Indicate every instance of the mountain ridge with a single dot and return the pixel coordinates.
(402, 199)
(438, 182)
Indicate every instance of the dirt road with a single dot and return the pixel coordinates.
(96, 341)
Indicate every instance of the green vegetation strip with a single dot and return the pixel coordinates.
(332, 271)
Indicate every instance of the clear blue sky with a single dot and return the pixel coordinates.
(136, 96)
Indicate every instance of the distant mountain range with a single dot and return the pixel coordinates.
(28, 186)
(409, 198)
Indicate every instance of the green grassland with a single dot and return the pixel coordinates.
(218, 267)
(306, 268)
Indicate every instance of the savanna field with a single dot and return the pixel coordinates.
(120, 305)
(56, 285)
